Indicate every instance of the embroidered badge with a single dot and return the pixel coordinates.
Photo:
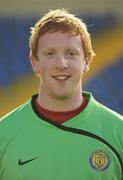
(99, 160)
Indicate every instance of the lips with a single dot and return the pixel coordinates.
(61, 77)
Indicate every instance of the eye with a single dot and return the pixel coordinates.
(72, 53)
(49, 53)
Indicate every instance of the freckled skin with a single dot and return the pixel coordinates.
(60, 54)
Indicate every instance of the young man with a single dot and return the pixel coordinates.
(62, 133)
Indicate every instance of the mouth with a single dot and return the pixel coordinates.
(61, 77)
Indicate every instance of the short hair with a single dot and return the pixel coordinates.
(60, 20)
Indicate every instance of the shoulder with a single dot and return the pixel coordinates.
(108, 113)
(12, 124)
(110, 121)
(101, 112)
(14, 117)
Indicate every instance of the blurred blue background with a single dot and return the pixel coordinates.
(105, 23)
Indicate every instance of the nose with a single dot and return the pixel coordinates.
(61, 62)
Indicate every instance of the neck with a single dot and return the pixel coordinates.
(60, 104)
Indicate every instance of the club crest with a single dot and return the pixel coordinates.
(99, 160)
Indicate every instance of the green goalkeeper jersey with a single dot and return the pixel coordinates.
(87, 147)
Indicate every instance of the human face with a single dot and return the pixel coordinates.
(60, 63)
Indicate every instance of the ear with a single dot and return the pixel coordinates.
(35, 64)
(86, 65)
(86, 68)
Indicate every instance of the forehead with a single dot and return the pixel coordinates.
(58, 39)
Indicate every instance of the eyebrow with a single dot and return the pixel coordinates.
(52, 49)
(75, 49)
(46, 50)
